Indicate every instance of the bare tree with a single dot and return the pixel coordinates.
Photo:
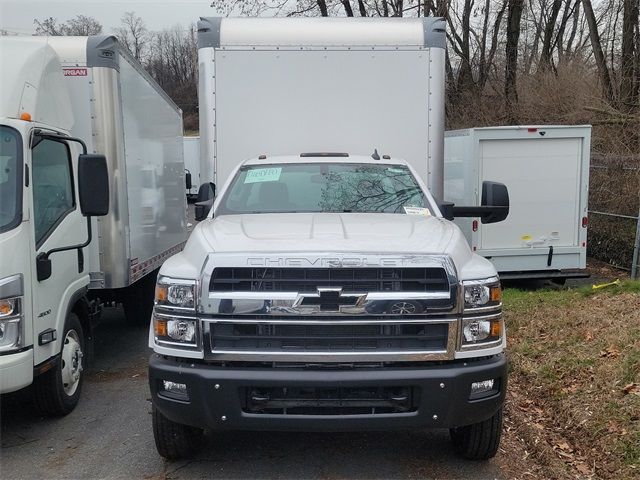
(80, 25)
(515, 8)
(133, 34)
(598, 52)
(628, 69)
(545, 54)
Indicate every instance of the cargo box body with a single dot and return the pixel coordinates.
(270, 87)
(122, 113)
(546, 170)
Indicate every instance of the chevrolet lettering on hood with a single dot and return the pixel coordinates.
(336, 262)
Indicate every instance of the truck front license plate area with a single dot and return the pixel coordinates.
(330, 400)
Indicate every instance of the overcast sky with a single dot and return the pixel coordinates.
(17, 16)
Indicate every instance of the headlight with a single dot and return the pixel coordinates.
(480, 330)
(175, 331)
(11, 324)
(173, 292)
(482, 293)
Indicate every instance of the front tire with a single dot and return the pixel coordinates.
(57, 391)
(479, 441)
(173, 440)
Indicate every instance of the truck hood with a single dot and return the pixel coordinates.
(336, 232)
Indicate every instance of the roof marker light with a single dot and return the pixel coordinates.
(26, 116)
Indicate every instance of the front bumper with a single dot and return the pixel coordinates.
(16, 371)
(216, 399)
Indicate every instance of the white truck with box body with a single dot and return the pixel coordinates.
(546, 169)
(323, 289)
(191, 149)
(90, 160)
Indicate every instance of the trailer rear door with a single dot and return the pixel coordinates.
(543, 177)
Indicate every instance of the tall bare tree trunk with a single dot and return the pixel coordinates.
(363, 8)
(598, 53)
(513, 34)
(322, 5)
(347, 7)
(547, 50)
(629, 74)
(465, 75)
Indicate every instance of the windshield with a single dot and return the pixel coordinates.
(10, 178)
(324, 187)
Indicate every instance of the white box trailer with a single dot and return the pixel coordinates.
(273, 87)
(546, 170)
(191, 149)
(123, 113)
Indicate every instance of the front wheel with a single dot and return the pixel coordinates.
(57, 391)
(173, 440)
(479, 441)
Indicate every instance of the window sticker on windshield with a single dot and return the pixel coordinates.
(257, 175)
(417, 211)
(396, 170)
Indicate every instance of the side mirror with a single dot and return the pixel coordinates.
(494, 208)
(206, 196)
(93, 185)
(187, 180)
(496, 196)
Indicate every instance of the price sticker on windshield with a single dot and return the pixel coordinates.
(257, 175)
(417, 211)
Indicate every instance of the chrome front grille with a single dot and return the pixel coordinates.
(373, 337)
(374, 308)
(350, 280)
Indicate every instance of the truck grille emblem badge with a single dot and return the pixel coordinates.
(330, 299)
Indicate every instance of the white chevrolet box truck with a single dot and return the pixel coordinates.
(323, 288)
(91, 203)
(546, 169)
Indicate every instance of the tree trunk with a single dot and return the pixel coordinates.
(549, 28)
(465, 75)
(513, 34)
(629, 75)
(322, 5)
(598, 53)
(347, 7)
(363, 8)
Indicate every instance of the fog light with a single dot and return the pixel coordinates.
(173, 390)
(483, 389)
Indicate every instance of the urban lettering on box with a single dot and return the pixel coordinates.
(74, 72)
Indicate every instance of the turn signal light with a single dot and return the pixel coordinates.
(496, 293)
(496, 328)
(162, 292)
(160, 327)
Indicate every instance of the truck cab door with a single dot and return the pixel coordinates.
(57, 222)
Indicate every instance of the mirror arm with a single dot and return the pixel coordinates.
(43, 257)
(477, 211)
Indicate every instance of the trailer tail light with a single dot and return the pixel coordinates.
(474, 225)
(585, 222)
(532, 130)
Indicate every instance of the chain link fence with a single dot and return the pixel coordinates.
(614, 206)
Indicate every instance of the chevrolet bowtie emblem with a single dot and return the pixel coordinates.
(330, 299)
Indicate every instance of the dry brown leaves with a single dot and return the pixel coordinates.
(568, 380)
